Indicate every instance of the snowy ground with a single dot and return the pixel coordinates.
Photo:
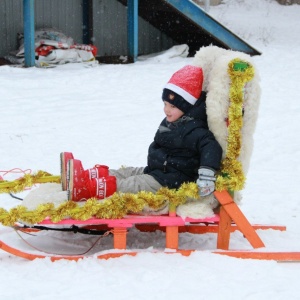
(109, 114)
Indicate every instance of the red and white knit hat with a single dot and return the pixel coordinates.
(184, 88)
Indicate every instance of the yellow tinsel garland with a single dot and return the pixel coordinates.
(117, 206)
(28, 180)
(232, 176)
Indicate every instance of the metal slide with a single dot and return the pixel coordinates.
(186, 23)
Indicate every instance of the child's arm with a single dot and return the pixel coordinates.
(210, 162)
(206, 181)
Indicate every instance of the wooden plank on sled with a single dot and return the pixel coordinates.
(230, 211)
(277, 256)
(202, 228)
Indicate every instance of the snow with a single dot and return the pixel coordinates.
(109, 114)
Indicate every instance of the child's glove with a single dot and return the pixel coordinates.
(206, 181)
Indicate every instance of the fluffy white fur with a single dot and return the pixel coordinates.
(198, 209)
(214, 62)
(45, 193)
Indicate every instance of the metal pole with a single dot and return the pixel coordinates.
(87, 20)
(29, 49)
(132, 30)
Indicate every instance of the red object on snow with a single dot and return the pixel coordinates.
(43, 50)
(90, 48)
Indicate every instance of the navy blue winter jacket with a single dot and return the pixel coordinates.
(181, 147)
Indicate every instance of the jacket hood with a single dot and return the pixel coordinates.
(198, 111)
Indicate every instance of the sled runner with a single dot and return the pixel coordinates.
(232, 104)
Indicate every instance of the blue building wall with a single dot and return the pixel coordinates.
(109, 25)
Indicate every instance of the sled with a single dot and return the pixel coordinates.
(228, 220)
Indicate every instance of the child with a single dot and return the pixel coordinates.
(183, 150)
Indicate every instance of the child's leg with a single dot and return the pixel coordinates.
(123, 173)
(137, 183)
(142, 182)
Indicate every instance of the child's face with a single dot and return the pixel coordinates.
(172, 112)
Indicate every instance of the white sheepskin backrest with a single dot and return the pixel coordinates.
(214, 62)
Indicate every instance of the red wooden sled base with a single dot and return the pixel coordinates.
(229, 219)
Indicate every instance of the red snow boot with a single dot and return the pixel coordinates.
(82, 187)
(96, 172)
(64, 159)
(103, 187)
